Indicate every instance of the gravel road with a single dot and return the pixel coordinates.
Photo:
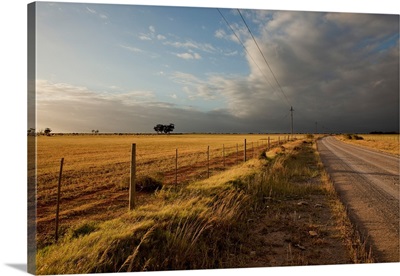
(368, 184)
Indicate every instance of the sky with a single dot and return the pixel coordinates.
(126, 68)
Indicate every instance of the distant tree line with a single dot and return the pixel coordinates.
(381, 132)
(32, 132)
(160, 128)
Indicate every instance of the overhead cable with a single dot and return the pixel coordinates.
(244, 47)
(280, 87)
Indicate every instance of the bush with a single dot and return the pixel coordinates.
(147, 184)
(352, 137)
(83, 229)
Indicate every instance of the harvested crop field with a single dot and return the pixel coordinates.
(96, 170)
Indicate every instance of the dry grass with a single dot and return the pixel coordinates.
(163, 234)
(388, 143)
(203, 224)
(356, 244)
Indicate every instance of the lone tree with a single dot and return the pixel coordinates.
(169, 128)
(47, 131)
(159, 128)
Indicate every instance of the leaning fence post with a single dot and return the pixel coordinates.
(132, 185)
(58, 197)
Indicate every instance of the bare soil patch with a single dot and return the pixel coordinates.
(295, 232)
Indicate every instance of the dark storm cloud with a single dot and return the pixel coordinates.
(336, 68)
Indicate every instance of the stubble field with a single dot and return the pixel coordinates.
(388, 143)
(96, 170)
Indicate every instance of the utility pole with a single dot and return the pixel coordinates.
(291, 115)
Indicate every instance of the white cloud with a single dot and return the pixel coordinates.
(196, 56)
(189, 56)
(196, 88)
(151, 35)
(161, 37)
(93, 11)
(240, 31)
(144, 36)
(231, 53)
(190, 44)
(132, 49)
(47, 91)
(185, 56)
(220, 33)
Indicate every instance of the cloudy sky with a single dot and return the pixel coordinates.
(126, 68)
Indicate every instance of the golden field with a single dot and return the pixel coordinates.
(96, 170)
(110, 154)
(388, 143)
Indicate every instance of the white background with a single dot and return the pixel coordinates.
(13, 236)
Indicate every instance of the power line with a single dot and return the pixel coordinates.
(291, 115)
(280, 87)
(244, 47)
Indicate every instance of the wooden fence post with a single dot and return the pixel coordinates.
(132, 184)
(269, 144)
(58, 197)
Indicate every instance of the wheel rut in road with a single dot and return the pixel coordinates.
(368, 184)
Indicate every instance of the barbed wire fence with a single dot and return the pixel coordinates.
(175, 167)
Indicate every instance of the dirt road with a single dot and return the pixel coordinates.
(368, 184)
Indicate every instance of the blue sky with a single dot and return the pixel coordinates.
(123, 49)
(126, 68)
